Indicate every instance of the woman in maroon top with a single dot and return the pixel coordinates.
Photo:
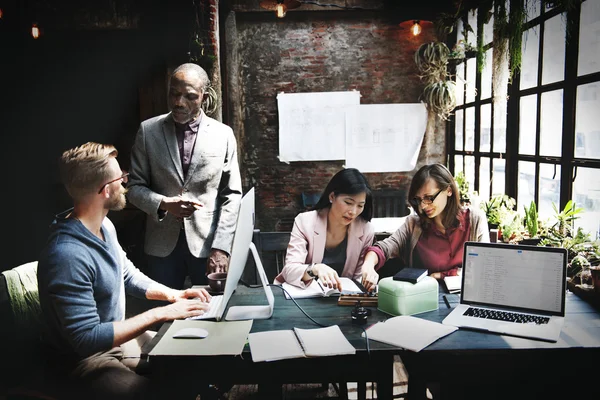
(434, 238)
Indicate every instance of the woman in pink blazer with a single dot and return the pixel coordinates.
(331, 240)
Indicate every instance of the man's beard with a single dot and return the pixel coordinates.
(117, 201)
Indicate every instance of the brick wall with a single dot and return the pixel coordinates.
(314, 52)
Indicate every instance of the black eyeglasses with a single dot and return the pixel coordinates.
(416, 202)
(122, 177)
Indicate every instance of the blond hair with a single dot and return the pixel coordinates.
(85, 168)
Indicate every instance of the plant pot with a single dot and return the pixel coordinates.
(596, 279)
(531, 241)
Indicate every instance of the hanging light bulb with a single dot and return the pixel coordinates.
(280, 10)
(35, 31)
(415, 28)
(1, 13)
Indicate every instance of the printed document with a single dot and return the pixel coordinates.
(314, 290)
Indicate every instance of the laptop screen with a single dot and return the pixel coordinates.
(525, 278)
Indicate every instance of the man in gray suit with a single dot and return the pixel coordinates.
(185, 176)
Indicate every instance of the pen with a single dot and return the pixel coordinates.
(446, 301)
(321, 286)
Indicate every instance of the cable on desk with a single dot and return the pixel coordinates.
(298, 305)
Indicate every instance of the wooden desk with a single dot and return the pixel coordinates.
(375, 366)
(495, 363)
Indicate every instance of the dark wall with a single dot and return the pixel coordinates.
(60, 91)
(314, 52)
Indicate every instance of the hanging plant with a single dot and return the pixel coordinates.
(439, 92)
(440, 98)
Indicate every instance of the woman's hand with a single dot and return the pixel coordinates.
(369, 277)
(327, 276)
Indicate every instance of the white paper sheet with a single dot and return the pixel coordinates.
(408, 332)
(312, 125)
(384, 137)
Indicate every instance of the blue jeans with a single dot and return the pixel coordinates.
(172, 270)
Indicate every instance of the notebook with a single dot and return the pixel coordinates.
(412, 275)
(513, 290)
(453, 283)
(297, 343)
(316, 290)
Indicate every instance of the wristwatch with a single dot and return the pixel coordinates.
(310, 272)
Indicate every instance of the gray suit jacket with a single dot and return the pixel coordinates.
(213, 180)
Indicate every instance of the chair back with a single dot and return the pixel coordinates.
(272, 247)
(389, 203)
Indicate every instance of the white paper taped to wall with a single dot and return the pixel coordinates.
(384, 137)
(312, 125)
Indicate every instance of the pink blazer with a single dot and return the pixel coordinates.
(307, 246)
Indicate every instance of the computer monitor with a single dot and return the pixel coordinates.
(242, 242)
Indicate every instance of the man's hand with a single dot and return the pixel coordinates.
(179, 207)
(218, 261)
(192, 293)
(183, 309)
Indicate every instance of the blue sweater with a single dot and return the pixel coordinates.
(82, 282)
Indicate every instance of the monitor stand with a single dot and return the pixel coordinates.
(237, 313)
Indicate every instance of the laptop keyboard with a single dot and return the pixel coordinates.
(215, 303)
(505, 316)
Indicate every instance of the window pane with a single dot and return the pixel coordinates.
(472, 20)
(499, 177)
(527, 124)
(587, 136)
(551, 123)
(470, 129)
(458, 133)
(486, 76)
(458, 164)
(526, 187)
(488, 31)
(460, 31)
(553, 66)
(460, 84)
(549, 187)
(471, 89)
(589, 38)
(500, 126)
(533, 9)
(486, 128)
(484, 178)
(586, 194)
(470, 170)
(529, 60)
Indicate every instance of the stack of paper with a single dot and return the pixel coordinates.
(408, 332)
(453, 283)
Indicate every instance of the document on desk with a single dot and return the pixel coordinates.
(224, 338)
(453, 283)
(298, 343)
(408, 332)
(315, 290)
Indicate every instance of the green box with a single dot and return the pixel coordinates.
(405, 298)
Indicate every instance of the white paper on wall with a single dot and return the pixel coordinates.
(312, 125)
(384, 137)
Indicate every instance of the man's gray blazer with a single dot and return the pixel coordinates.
(213, 180)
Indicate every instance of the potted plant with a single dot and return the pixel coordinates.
(495, 209)
(463, 188)
(531, 225)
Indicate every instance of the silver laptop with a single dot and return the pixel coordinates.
(242, 242)
(512, 290)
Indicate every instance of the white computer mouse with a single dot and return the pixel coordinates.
(191, 333)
